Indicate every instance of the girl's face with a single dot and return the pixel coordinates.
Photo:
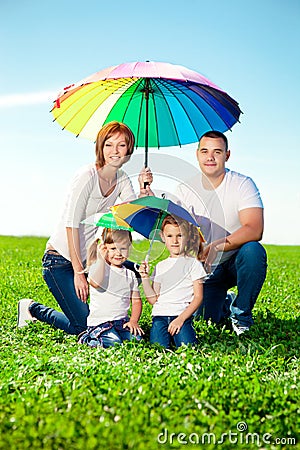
(174, 239)
(117, 252)
(115, 150)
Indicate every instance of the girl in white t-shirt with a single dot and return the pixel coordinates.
(177, 291)
(112, 288)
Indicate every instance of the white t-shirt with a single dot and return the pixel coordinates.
(176, 277)
(217, 210)
(83, 200)
(112, 300)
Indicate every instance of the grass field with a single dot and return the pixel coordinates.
(227, 393)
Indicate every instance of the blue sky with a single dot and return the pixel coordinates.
(249, 49)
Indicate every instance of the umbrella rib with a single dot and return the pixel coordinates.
(140, 114)
(116, 85)
(212, 92)
(130, 97)
(171, 115)
(204, 88)
(182, 106)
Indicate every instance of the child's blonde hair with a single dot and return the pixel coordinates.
(193, 245)
(108, 236)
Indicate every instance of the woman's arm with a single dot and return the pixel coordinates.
(176, 324)
(80, 283)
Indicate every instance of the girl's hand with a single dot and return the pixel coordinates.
(144, 269)
(145, 176)
(81, 287)
(134, 328)
(209, 254)
(175, 326)
(102, 251)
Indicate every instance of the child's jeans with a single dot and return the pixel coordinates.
(107, 334)
(159, 332)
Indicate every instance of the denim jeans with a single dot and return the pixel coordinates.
(246, 269)
(59, 276)
(107, 334)
(159, 332)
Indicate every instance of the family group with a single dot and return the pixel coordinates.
(88, 272)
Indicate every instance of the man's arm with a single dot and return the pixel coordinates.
(252, 226)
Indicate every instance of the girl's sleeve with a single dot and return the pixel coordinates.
(197, 271)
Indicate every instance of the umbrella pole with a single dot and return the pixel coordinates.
(159, 219)
(146, 93)
(150, 248)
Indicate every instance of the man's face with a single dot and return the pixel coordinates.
(212, 156)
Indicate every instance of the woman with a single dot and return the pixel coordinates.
(94, 189)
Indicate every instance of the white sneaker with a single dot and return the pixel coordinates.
(239, 329)
(24, 315)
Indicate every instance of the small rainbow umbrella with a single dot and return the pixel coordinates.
(163, 104)
(107, 220)
(145, 215)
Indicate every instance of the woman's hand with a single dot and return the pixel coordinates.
(145, 180)
(81, 286)
(134, 328)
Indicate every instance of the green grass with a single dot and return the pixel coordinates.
(58, 395)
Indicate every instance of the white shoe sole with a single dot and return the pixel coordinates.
(24, 315)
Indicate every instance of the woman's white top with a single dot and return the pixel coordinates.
(84, 199)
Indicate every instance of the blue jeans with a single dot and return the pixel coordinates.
(59, 276)
(246, 269)
(159, 332)
(107, 334)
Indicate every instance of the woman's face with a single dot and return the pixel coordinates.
(115, 150)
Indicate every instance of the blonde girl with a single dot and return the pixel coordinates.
(177, 291)
(113, 288)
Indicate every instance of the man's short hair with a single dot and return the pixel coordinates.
(216, 134)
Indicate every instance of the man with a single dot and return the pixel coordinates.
(229, 210)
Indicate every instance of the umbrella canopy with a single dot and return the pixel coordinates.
(163, 104)
(145, 215)
(107, 220)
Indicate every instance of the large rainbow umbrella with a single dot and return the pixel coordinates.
(164, 104)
